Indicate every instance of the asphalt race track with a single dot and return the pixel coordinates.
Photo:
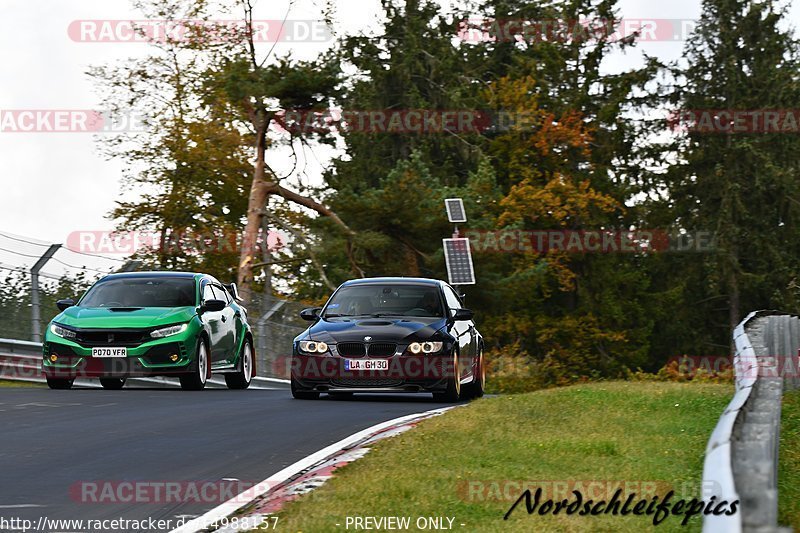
(54, 440)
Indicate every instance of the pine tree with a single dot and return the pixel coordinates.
(742, 186)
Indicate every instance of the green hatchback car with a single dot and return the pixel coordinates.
(139, 324)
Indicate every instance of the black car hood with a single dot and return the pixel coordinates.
(384, 329)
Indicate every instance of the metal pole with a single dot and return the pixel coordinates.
(37, 267)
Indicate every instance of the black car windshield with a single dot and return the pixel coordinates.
(386, 300)
(141, 292)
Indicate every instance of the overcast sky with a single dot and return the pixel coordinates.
(54, 184)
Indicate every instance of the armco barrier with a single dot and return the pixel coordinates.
(741, 461)
(13, 346)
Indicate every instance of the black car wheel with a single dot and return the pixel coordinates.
(112, 383)
(60, 383)
(196, 380)
(453, 391)
(300, 394)
(476, 388)
(244, 374)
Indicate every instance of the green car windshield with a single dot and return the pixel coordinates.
(141, 292)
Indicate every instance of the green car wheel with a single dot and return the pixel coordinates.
(244, 373)
(196, 380)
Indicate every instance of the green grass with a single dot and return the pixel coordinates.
(789, 462)
(7, 383)
(614, 432)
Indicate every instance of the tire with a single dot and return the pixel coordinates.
(299, 394)
(240, 379)
(453, 393)
(196, 380)
(478, 385)
(60, 383)
(112, 383)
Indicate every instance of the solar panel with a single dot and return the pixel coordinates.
(458, 257)
(455, 210)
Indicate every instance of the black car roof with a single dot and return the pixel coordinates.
(366, 281)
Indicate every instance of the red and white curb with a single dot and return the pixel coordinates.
(305, 475)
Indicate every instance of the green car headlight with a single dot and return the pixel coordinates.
(64, 333)
(168, 331)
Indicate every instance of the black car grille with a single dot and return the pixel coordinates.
(366, 382)
(115, 337)
(360, 349)
(351, 349)
(382, 349)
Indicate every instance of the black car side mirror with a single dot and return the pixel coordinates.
(463, 314)
(310, 314)
(63, 305)
(213, 306)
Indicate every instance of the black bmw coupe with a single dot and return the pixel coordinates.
(389, 335)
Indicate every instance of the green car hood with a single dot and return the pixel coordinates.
(101, 317)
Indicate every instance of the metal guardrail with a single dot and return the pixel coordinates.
(21, 361)
(13, 346)
(741, 459)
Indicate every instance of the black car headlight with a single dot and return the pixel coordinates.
(313, 347)
(425, 347)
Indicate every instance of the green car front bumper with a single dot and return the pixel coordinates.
(169, 356)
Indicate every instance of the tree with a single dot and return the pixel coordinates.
(741, 186)
(203, 162)
(189, 167)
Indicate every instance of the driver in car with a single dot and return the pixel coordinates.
(429, 303)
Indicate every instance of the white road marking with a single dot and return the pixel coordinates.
(20, 506)
(40, 404)
(237, 502)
